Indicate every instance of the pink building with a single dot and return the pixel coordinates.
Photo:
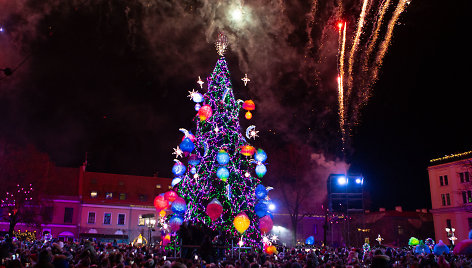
(451, 196)
(79, 204)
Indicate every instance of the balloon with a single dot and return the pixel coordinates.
(197, 97)
(413, 241)
(160, 202)
(265, 224)
(179, 206)
(187, 145)
(260, 156)
(178, 169)
(162, 213)
(193, 160)
(249, 105)
(260, 209)
(261, 191)
(214, 209)
(170, 196)
(440, 248)
(222, 173)
(175, 222)
(271, 250)
(222, 157)
(176, 181)
(241, 222)
(261, 170)
(193, 170)
(166, 240)
(310, 240)
(247, 150)
(422, 248)
(248, 115)
(429, 242)
(205, 112)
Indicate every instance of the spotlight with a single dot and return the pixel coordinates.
(271, 207)
(342, 181)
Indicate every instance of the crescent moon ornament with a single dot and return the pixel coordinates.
(205, 147)
(240, 102)
(251, 132)
(183, 130)
(226, 92)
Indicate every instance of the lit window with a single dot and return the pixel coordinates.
(122, 196)
(109, 195)
(93, 194)
(140, 220)
(170, 187)
(158, 186)
(107, 218)
(91, 218)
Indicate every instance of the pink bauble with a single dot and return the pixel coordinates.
(265, 224)
(214, 209)
(170, 196)
(160, 202)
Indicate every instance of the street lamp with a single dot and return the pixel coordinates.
(450, 234)
(150, 223)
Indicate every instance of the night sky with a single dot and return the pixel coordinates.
(111, 79)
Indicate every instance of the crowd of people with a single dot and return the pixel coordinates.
(85, 253)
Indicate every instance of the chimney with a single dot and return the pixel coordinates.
(398, 208)
(381, 209)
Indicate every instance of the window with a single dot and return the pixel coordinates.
(122, 196)
(448, 200)
(68, 213)
(446, 182)
(441, 181)
(91, 218)
(158, 186)
(464, 197)
(448, 223)
(121, 219)
(469, 196)
(443, 199)
(140, 220)
(464, 177)
(142, 197)
(109, 195)
(47, 213)
(93, 194)
(107, 218)
(469, 221)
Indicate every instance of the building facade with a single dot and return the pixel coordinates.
(451, 196)
(80, 204)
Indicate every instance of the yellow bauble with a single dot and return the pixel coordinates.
(241, 222)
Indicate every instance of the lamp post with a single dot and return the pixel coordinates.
(150, 223)
(450, 234)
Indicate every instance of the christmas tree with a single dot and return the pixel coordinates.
(221, 179)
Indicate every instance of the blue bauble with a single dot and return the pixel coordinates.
(261, 170)
(178, 169)
(310, 240)
(176, 181)
(260, 209)
(260, 156)
(193, 170)
(179, 206)
(260, 191)
(222, 173)
(197, 107)
(421, 248)
(193, 160)
(440, 248)
(187, 145)
(175, 222)
(222, 157)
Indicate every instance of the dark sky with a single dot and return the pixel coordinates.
(111, 78)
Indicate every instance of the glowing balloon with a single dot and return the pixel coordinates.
(160, 202)
(197, 107)
(176, 181)
(205, 112)
(247, 150)
(422, 248)
(170, 196)
(166, 240)
(222, 157)
(248, 115)
(175, 222)
(197, 97)
(241, 222)
(179, 206)
(261, 170)
(249, 105)
(222, 173)
(413, 241)
(440, 248)
(260, 156)
(271, 250)
(261, 209)
(310, 240)
(162, 213)
(265, 224)
(178, 169)
(214, 209)
(261, 191)
(187, 145)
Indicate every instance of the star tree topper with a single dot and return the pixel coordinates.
(245, 79)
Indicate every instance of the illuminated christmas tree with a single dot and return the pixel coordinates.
(220, 181)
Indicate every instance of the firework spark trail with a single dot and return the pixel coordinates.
(309, 26)
(388, 37)
(375, 34)
(360, 25)
(342, 47)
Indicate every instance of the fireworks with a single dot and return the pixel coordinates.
(369, 52)
(221, 44)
